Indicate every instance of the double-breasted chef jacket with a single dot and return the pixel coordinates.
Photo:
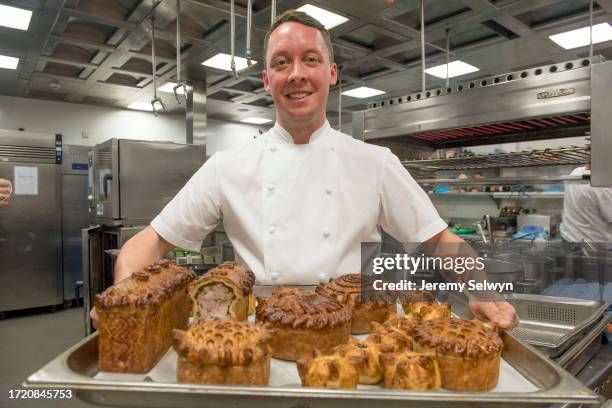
(297, 214)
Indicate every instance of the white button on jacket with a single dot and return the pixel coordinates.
(302, 229)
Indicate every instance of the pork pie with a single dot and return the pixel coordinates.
(304, 321)
(223, 352)
(222, 293)
(468, 352)
(138, 314)
(356, 291)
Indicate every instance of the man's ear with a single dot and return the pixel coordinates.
(334, 74)
(266, 81)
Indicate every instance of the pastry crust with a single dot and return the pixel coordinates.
(389, 340)
(429, 310)
(367, 305)
(365, 355)
(329, 371)
(468, 352)
(234, 284)
(403, 323)
(411, 371)
(138, 314)
(411, 297)
(223, 352)
(304, 321)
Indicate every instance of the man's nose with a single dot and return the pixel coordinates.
(297, 73)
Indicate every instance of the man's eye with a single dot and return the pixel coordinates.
(280, 63)
(312, 60)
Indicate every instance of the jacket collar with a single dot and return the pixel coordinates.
(279, 135)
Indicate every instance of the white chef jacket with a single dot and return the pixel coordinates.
(587, 211)
(297, 214)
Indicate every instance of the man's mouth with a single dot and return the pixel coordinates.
(298, 95)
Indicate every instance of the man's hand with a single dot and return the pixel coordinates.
(93, 314)
(502, 313)
(6, 188)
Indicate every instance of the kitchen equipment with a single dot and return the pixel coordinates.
(133, 179)
(548, 222)
(500, 271)
(534, 267)
(526, 377)
(31, 225)
(553, 323)
(581, 352)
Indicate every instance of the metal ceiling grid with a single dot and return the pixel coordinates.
(99, 50)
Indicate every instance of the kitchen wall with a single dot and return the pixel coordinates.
(89, 125)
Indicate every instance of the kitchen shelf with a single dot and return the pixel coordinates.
(501, 180)
(548, 157)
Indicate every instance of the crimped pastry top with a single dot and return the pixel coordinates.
(146, 287)
(232, 272)
(409, 296)
(295, 307)
(452, 336)
(353, 289)
(222, 342)
(404, 323)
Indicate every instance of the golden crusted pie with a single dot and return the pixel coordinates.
(138, 314)
(409, 297)
(389, 340)
(304, 321)
(222, 293)
(365, 355)
(357, 291)
(468, 352)
(223, 352)
(329, 371)
(411, 371)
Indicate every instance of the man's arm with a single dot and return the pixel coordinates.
(140, 251)
(5, 192)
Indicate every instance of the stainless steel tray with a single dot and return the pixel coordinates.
(552, 323)
(581, 352)
(526, 377)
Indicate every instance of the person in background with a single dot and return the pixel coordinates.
(6, 188)
(297, 202)
(587, 211)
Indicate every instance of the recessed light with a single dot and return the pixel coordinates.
(256, 121)
(581, 36)
(455, 69)
(327, 18)
(223, 62)
(8, 62)
(144, 106)
(14, 17)
(168, 87)
(363, 92)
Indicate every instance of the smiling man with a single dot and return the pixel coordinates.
(297, 202)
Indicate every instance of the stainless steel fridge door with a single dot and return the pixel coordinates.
(106, 181)
(30, 239)
(151, 175)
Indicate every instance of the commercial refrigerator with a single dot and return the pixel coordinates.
(30, 226)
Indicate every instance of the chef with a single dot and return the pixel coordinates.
(6, 188)
(297, 202)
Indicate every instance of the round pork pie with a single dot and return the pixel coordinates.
(468, 352)
(303, 321)
(223, 352)
(367, 305)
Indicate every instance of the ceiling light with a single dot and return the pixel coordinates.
(327, 18)
(223, 62)
(168, 87)
(363, 92)
(581, 37)
(14, 17)
(256, 121)
(8, 62)
(455, 69)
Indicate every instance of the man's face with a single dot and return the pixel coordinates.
(298, 73)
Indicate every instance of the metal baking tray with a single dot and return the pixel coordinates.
(554, 323)
(581, 352)
(527, 377)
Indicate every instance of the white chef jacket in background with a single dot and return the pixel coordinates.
(297, 214)
(587, 211)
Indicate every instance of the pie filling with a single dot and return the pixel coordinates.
(214, 301)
